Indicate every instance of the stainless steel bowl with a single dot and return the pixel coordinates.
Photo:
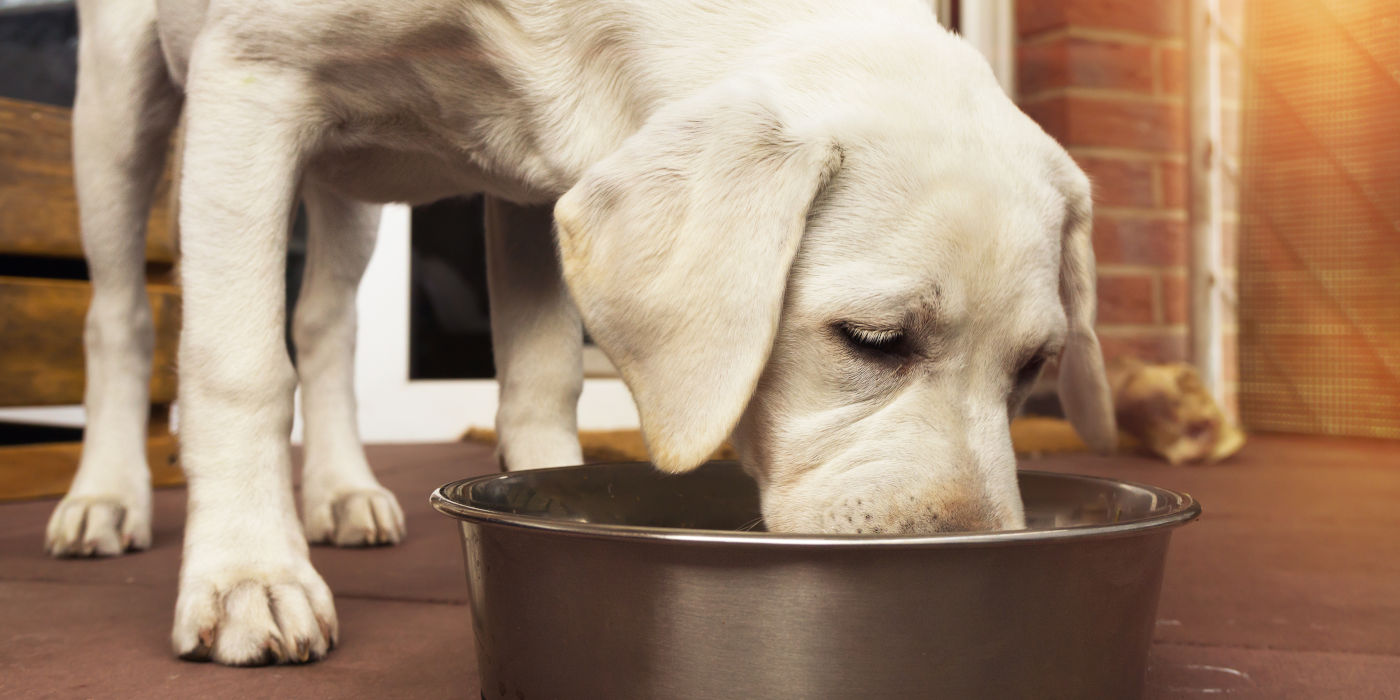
(616, 581)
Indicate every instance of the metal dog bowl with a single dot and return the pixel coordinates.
(616, 581)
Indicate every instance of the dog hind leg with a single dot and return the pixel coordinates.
(248, 593)
(537, 338)
(124, 112)
(342, 503)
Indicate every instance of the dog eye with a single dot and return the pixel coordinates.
(1030, 370)
(879, 340)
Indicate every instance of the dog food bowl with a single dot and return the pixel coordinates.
(616, 581)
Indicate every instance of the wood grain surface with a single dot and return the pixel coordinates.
(38, 209)
(42, 349)
(38, 471)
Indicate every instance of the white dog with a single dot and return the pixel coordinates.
(818, 225)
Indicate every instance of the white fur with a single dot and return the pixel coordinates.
(737, 183)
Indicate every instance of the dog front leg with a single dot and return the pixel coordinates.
(537, 339)
(123, 114)
(342, 502)
(248, 593)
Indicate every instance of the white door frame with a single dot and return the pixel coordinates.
(990, 25)
(393, 408)
(1205, 193)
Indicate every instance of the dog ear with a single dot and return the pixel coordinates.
(676, 249)
(1084, 391)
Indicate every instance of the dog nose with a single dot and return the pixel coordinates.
(966, 515)
(945, 513)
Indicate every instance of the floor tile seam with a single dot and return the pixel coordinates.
(150, 585)
(1286, 650)
(60, 581)
(390, 599)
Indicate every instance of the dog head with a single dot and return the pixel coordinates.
(860, 281)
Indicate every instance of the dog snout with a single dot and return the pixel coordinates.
(920, 513)
(966, 515)
(958, 514)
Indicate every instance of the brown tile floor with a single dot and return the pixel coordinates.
(1288, 587)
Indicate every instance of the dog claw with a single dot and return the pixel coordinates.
(202, 648)
(272, 618)
(328, 633)
(103, 526)
(365, 518)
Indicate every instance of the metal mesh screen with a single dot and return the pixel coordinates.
(1320, 218)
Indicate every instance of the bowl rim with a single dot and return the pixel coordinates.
(1182, 509)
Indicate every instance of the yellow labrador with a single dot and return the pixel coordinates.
(818, 225)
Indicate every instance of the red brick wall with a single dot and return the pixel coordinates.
(1107, 78)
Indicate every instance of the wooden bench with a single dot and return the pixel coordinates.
(44, 297)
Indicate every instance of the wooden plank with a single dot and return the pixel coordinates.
(38, 209)
(41, 322)
(38, 471)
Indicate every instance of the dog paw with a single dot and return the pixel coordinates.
(98, 526)
(256, 617)
(360, 518)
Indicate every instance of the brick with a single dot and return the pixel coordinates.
(1086, 63)
(1120, 183)
(1117, 123)
(1131, 240)
(1109, 65)
(1176, 298)
(1159, 18)
(1171, 64)
(1051, 115)
(1040, 16)
(1173, 179)
(1076, 120)
(1041, 66)
(1150, 345)
(1126, 298)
